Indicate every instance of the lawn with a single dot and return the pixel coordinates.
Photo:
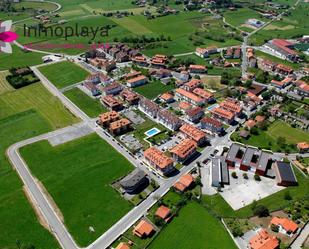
(153, 89)
(194, 228)
(92, 107)
(64, 73)
(19, 58)
(18, 220)
(78, 175)
(268, 139)
(4, 85)
(36, 97)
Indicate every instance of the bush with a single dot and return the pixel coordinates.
(287, 196)
(261, 211)
(257, 177)
(234, 175)
(245, 175)
(237, 232)
(274, 228)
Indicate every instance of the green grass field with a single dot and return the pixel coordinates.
(268, 139)
(4, 85)
(19, 59)
(153, 89)
(284, 29)
(64, 73)
(275, 59)
(18, 220)
(194, 228)
(78, 175)
(92, 107)
(36, 97)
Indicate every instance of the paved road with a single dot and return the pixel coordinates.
(301, 238)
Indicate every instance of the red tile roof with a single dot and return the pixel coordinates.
(158, 158)
(286, 224)
(263, 241)
(163, 212)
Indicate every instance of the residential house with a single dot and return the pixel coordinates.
(137, 81)
(283, 69)
(206, 95)
(184, 183)
(232, 105)
(199, 69)
(283, 49)
(148, 107)
(130, 97)
(91, 88)
(98, 78)
(164, 213)
(205, 52)
(184, 150)
(159, 61)
(263, 240)
(108, 117)
(120, 126)
(140, 61)
(143, 229)
(167, 97)
(192, 84)
(303, 147)
(194, 114)
(134, 182)
(213, 125)
(223, 114)
(122, 57)
(284, 225)
(123, 245)
(112, 89)
(169, 120)
(194, 133)
(189, 97)
(250, 124)
(112, 103)
(159, 160)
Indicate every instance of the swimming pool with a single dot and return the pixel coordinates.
(152, 132)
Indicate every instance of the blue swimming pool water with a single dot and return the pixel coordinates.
(212, 107)
(152, 132)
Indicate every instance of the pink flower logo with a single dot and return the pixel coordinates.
(6, 37)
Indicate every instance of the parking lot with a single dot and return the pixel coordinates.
(242, 192)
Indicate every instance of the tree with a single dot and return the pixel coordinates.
(234, 174)
(245, 176)
(261, 211)
(287, 196)
(274, 228)
(237, 231)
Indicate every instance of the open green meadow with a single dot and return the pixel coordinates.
(290, 26)
(78, 175)
(18, 220)
(92, 107)
(24, 113)
(19, 58)
(193, 228)
(36, 97)
(64, 73)
(268, 139)
(4, 85)
(154, 88)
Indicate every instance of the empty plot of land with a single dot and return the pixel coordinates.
(242, 192)
(132, 25)
(274, 27)
(64, 73)
(78, 176)
(4, 85)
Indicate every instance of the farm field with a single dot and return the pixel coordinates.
(19, 59)
(92, 107)
(81, 172)
(64, 73)
(4, 85)
(283, 28)
(240, 16)
(153, 89)
(14, 206)
(36, 97)
(202, 232)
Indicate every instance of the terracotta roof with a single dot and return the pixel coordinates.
(284, 68)
(122, 245)
(158, 158)
(110, 101)
(303, 146)
(166, 96)
(304, 87)
(136, 79)
(250, 123)
(184, 182)
(191, 131)
(107, 116)
(260, 119)
(214, 122)
(119, 124)
(194, 111)
(184, 105)
(143, 229)
(163, 212)
(193, 83)
(203, 93)
(189, 95)
(231, 106)
(185, 148)
(223, 113)
(198, 67)
(287, 224)
(264, 241)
